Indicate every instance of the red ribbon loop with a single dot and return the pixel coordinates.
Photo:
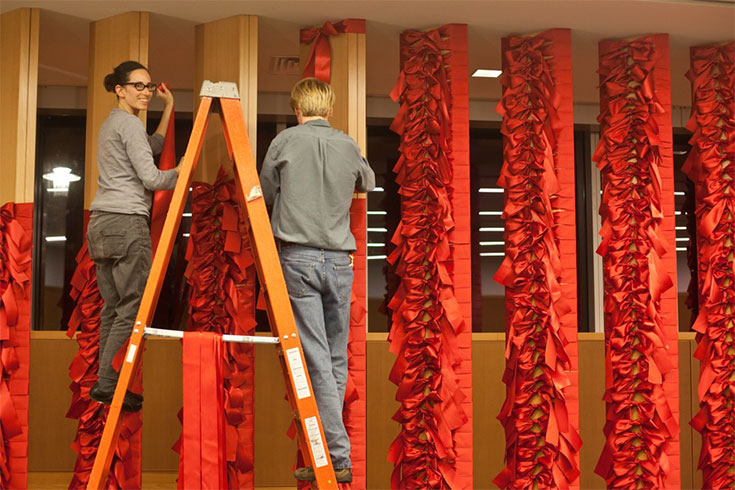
(319, 61)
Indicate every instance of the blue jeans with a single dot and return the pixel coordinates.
(319, 284)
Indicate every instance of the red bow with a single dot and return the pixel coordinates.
(320, 58)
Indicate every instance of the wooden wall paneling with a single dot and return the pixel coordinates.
(685, 411)
(591, 406)
(18, 92)
(111, 41)
(226, 50)
(692, 398)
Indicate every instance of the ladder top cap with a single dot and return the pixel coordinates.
(223, 90)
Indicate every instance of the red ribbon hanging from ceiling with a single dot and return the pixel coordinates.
(319, 62)
(639, 264)
(427, 318)
(221, 274)
(355, 408)
(16, 225)
(710, 166)
(127, 460)
(542, 440)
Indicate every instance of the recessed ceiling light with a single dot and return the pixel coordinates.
(480, 73)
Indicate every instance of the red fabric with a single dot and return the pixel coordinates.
(126, 462)
(221, 275)
(427, 318)
(319, 62)
(162, 199)
(16, 232)
(709, 166)
(203, 436)
(639, 264)
(542, 440)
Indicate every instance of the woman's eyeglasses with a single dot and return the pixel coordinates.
(140, 86)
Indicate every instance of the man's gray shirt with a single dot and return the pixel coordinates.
(308, 178)
(127, 173)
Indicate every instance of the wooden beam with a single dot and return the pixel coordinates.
(111, 41)
(18, 89)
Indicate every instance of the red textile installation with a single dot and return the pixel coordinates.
(319, 62)
(203, 437)
(355, 407)
(709, 166)
(428, 321)
(16, 232)
(221, 274)
(127, 460)
(639, 264)
(540, 413)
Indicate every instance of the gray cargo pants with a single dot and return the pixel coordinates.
(120, 246)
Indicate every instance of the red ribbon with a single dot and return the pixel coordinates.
(320, 59)
(15, 312)
(710, 166)
(162, 199)
(203, 436)
(541, 445)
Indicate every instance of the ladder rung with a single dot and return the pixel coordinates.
(242, 339)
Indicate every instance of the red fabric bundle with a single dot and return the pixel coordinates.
(221, 275)
(639, 263)
(203, 437)
(427, 318)
(16, 232)
(354, 412)
(542, 442)
(710, 167)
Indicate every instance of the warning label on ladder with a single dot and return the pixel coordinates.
(297, 372)
(315, 439)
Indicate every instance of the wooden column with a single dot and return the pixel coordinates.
(226, 51)
(111, 41)
(18, 89)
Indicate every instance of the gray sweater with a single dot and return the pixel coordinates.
(127, 173)
(308, 177)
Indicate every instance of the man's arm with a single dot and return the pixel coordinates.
(270, 179)
(365, 176)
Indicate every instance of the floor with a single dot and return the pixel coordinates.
(48, 480)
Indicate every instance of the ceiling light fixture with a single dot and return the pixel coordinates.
(60, 178)
(482, 73)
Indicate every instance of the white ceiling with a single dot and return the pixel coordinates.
(64, 34)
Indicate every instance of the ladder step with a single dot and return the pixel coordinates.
(241, 339)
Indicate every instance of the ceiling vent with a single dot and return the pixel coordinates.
(284, 65)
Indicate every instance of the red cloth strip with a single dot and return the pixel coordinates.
(319, 62)
(16, 232)
(709, 166)
(639, 265)
(427, 318)
(221, 276)
(541, 445)
(203, 435)
(162, 199)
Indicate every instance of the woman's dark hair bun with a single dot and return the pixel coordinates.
(121, 74)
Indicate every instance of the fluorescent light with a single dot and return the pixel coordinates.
(677, 213)
(490, 213)
(378, 230)
(490, 244)
(377, 257)
(378, 189)
(483, 73)
(680, 227)
(185, 235)
(492, 254)
(186, 215)
(376, 244)
(681, 249)
(685, 239)
(492, 228)
(491, 190)
(679, 193)
(55, 238)
(379, 213)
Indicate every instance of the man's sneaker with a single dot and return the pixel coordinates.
(344, 475)
(132, 402)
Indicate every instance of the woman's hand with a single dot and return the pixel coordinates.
(164, 93)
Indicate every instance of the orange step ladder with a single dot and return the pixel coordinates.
(223, 97)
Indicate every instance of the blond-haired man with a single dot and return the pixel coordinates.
(308, 177)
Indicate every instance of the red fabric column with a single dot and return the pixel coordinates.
(540, 413)
(16, 232)
(203, 435)
(709, 165)
(355, 407)
(639, 263)
(428, 321)
(221, 275)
